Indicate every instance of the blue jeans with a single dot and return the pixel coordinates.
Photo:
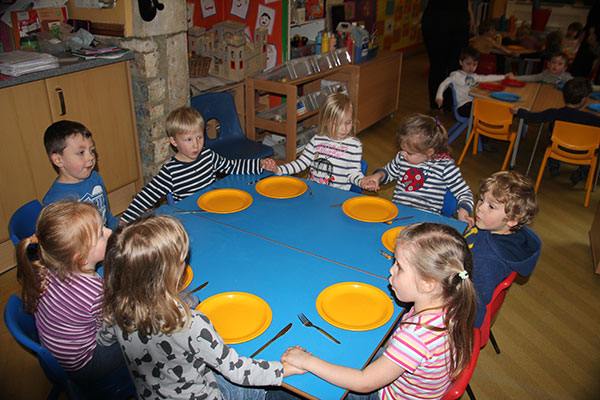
(104, 361)
(232, 391)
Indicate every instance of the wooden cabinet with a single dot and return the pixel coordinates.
(101, 99)
(374, 88)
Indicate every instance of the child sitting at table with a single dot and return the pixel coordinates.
(573, 39)
(500, 241)
(424, 170)
(171, 351)
(334, 153)
(556, 73)
(526, 39)
(486, 41)
(72, 151)
(575, 94)
(433, 343)
(463, 80)
(56, 269)
(192, 168)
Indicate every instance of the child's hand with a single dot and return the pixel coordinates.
(268, 164)
(514, 110)
(510, 75)
(369, 184)
(439, 102)
(289, 369)
(463, 215)
(295, 356)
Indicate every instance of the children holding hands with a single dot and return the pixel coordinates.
(171, 351)
(56, 269)
(192, 168)
(72, 151)
(556, 73)
(424, 170)
(334, 153)
(433, 343)
(500, 241)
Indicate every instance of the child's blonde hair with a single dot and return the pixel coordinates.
(440, 253)
(66, 231)
(517, 194)
(143, 270)
(335, 107)
(420, 133)
(184, 119)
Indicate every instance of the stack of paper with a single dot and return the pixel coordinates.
(19, 62)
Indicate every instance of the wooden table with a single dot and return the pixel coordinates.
(287, 251)
(528, 95)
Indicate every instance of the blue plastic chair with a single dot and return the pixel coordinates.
(231, 141)
(363, 167)
(449, 205)
(461, 122)
(21, 325)
(22, 223)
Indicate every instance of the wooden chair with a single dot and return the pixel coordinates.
(574, 144)
(492, 308)
(461, 383)
(492, 119)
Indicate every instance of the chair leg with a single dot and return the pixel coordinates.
(539, 178)
(589, 183)
(508, 153)
(476, 144)
(464, 152)
(470, 392)
(493, 340)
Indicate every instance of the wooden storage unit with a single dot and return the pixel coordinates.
(101, 99)
(374, 88)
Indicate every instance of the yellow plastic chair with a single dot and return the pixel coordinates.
(584, 139)
(492, 119)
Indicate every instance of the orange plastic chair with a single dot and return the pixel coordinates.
(492, 308)
(492, 119)
(461, 383)
(584, 139)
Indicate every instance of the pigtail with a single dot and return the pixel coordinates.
(28, 268)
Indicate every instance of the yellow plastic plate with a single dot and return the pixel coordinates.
(354, 306)
(189, 275)
(389, 238)
(369, 209)
(237, 316)
(281, 187)
(225, 201)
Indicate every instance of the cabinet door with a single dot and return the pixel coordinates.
(100, 98)
(26, 171)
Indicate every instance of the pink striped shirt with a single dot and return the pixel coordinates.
(68, 315)
(424, 354)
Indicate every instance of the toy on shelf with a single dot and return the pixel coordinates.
(233, 56)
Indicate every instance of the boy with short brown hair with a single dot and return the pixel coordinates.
(500, 242)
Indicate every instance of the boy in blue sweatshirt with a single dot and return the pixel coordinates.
(500, 242)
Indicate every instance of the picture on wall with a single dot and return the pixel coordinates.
(208, 8)
(239, 8)
(265, 18)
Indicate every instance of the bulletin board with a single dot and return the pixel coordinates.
(398, 24)
(273, 13)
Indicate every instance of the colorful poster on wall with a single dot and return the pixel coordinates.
(401, 23)
(265, 18)
(208, 8)
(239, 8)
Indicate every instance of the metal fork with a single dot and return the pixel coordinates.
(306, 322)
(309, 191)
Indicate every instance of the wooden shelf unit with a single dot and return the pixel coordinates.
(289, 90)
(374, 88)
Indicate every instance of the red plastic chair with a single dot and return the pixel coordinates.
(492, 308)
(461, 383)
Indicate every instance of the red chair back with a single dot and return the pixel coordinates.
(494, 305)
(486, 64)
(460, 384)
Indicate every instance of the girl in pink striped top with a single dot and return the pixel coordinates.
(433, 343)
(60, 286)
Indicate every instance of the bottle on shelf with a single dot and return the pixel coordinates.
(318, 41)
(325, 43)
(332, 41)
(349, 44)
